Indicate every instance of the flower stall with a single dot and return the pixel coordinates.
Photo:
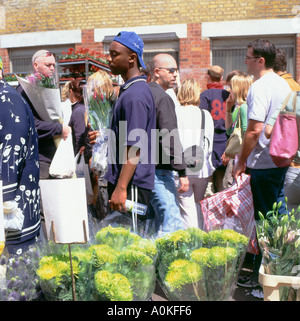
(80, 63)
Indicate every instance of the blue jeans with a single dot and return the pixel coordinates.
(267, 188)
(164, 203)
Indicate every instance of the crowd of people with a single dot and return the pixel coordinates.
(191, 125)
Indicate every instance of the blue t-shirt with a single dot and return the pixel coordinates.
(214, 100)
(133, 124)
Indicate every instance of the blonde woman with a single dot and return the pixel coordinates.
(236, 106)
(189, 119)
(237, 102)
(99, 84)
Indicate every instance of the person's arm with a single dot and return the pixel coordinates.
(244, 119)
(171, 146)
(230, 102)
(250, 140)
(119, 196)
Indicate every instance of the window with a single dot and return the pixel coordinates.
(229, 53)
(21, 57)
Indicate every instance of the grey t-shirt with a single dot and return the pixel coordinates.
(265, 96)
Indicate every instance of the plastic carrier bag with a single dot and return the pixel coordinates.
(233, 209)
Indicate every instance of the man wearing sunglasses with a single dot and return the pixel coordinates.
(265, 95)
(164, 202)
(43, 61)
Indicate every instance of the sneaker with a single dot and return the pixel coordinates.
(248, 281)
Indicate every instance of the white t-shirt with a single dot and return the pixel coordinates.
(264, 97)
(189, 120)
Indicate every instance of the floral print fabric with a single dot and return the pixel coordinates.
(19, 164)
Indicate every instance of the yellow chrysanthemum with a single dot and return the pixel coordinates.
(114, 286)
(183, 272)
(2, 245)
(201, 255)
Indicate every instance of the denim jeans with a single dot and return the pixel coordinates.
(267, 188)
(164, 203)
(292, 188)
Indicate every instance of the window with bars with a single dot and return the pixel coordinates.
(20, 58)
(230, 53)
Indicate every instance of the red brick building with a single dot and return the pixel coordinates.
(198, 32)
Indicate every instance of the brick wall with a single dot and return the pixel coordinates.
(37, 15)
(194, 55)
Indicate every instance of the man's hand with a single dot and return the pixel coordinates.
(238, 170)
(65, 132)
(118, 199)
(184, 184)
(92, 136)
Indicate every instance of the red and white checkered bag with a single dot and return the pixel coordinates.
(233, 209)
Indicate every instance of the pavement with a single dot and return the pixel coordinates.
(239, 294)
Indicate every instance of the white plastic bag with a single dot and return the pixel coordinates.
(82, 170)
(63, 163)
(13, 216)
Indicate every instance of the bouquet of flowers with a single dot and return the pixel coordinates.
(99, 103)
(194, 265)
(119, 266)
(279, 241)
(44, 94)
(18, 280)
(41, 80)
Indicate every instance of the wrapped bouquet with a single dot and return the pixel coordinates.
(279, 241)
(99, 98)
(194, 265)
(44, 94)
(119, 266)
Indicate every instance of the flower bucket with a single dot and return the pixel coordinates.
(116, 266)
(272, 285)
(194, 265)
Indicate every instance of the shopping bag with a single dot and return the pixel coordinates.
(284, 137)
(65, 210)
(83, 170)
(235, 140)
(233, 209)
(63, 162)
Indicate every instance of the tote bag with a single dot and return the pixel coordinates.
(235, 140)
(284, 137)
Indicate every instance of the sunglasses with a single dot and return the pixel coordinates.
(170, 70)
(254, 57)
